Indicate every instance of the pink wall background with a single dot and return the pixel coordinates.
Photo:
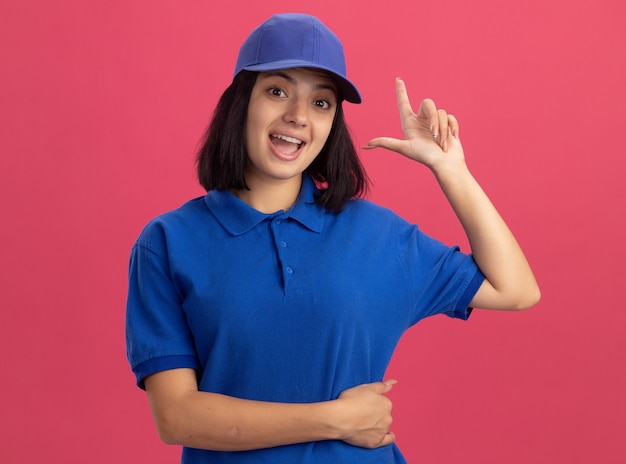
(101, 108)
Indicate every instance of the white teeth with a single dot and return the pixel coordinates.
(287, 138)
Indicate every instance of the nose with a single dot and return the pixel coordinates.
(297, 112)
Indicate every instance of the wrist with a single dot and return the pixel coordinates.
(450, 173)
(331, 420)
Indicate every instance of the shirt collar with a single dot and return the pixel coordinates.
(237, 217)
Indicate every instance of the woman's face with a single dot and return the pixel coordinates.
(290, 115)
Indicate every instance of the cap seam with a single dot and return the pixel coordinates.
(316, 45)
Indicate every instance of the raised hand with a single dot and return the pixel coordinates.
(431, 136)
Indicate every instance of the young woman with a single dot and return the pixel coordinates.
(261, 317)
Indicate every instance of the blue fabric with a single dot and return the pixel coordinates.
(295, 306)
(296, 40)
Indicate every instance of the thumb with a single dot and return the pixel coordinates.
(383, 387)
(385, 142)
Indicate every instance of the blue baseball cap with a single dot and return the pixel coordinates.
(295, 40)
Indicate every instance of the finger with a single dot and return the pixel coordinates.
(402, 97)
(388, 439)
(443, 129)
(389, 385)
(453, 124)
(428, 112)
(381, 387)
(386, 142)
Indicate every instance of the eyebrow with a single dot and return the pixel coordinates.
(329, 86)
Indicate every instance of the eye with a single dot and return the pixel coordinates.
(324, 104)
(276, 92)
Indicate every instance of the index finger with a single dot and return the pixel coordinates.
(404, 105)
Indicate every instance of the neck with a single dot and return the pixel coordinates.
(269, 197)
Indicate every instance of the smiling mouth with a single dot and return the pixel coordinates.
(287, 145)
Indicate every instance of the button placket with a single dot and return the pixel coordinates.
(287, 270)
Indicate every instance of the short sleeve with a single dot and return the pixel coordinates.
(157, 334)
(444, 279)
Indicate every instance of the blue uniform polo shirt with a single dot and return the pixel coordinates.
(294, 306)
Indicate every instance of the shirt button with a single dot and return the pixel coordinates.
(289, 270)
(283, 244)
(277, 221)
